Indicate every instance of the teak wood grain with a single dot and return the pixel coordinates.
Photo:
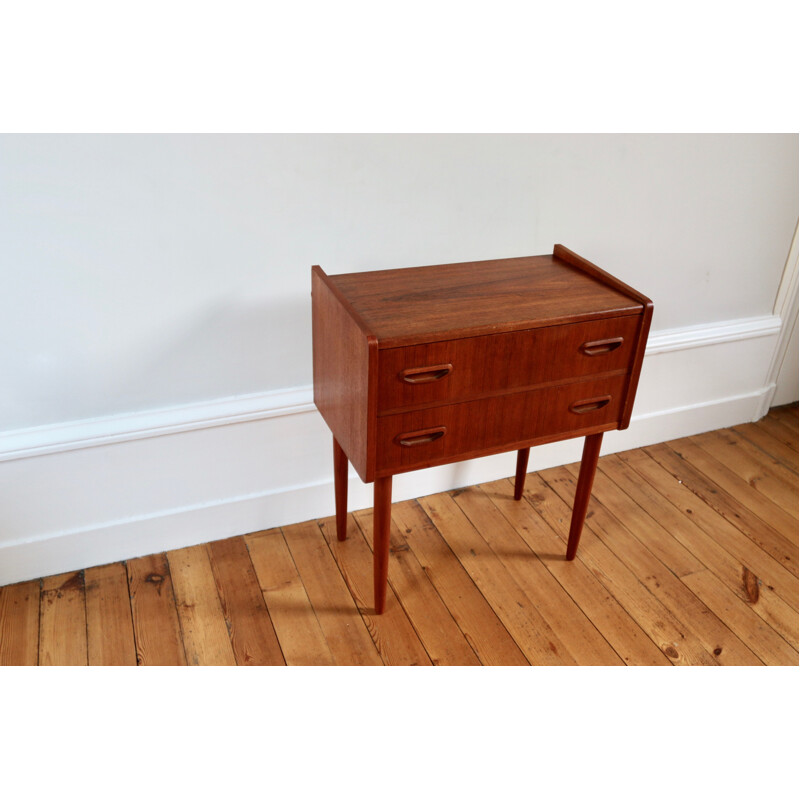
(345, 375)
(559, 251)
(495, 424)
(502, 363)
(583, 491)
(425, 366)
(450, 301)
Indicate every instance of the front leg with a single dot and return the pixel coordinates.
(381, 524)
(591, 452)
(522, 469)
(340, 489)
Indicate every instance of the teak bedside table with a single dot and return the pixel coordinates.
(429, 365)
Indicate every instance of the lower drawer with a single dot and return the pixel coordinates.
(437, 435)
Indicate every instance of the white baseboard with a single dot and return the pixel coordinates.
(146, 424)
(75, 435)
(97, 491)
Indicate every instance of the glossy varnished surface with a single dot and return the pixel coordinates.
(481, 329)
(496, 423)
(345, 374)
(448, 301)
(503, 363)
(683, 561)
(429, 365)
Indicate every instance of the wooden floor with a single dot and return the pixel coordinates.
(689, 556)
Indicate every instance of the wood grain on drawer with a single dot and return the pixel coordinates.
(430, 436)
(480, 366)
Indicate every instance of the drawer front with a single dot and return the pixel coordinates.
(421, 438)
(464, 369)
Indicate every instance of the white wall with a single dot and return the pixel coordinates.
(146, 271)
(155, 305)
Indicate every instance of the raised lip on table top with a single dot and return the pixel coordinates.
(560, 253)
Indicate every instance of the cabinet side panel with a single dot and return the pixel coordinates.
(344, 383)
(638, 358)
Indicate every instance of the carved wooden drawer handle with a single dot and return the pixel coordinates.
(592, 404)
(426, 374)
(420, 437)
(601, 346)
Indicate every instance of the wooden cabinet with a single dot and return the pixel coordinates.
(430, 365)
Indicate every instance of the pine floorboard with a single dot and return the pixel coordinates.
(689, 556)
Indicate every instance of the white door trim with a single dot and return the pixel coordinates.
(786, 307)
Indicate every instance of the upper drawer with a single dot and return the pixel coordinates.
(463, 369)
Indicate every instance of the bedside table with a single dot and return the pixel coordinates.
(429, 365)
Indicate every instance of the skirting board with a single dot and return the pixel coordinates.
(93, 519)
(183, 527)
(80, 434)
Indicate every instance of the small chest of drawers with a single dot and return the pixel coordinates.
(429, 365)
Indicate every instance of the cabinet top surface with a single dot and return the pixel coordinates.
(402, 306)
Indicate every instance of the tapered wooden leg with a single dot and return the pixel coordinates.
(591, 451)
(522, 469)
(340, 489)
(381, 523)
